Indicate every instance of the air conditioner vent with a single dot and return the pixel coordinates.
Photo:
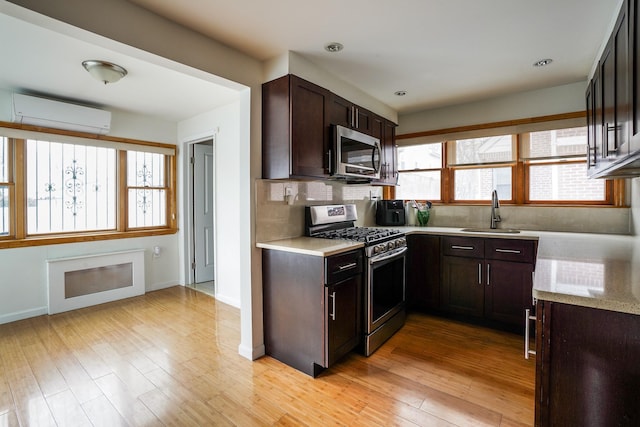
(31, 110)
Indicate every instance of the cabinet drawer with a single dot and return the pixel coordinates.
(342, 266)
(511, 250)
(463, 246)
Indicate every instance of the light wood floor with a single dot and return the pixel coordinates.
(170, 357)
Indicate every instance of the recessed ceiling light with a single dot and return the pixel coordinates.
(333, 47)
(543, 62)
(400, 93)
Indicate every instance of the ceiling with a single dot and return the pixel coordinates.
(441, 52)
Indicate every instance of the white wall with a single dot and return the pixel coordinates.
(554, 100)
(224, 124)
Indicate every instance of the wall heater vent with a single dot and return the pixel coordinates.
(94, 279)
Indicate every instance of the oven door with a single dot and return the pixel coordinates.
(385, 292)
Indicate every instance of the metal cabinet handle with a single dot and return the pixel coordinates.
(333, 309)
(347, 266)
(479, 274)
(488, 274)
(464, 248)
(508, 251)
(527, 331)
(329, 162)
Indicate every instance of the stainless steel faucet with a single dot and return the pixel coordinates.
(495, 209)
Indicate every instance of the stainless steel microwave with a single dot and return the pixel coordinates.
(357, 155)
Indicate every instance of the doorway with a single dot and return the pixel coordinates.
(203, 230)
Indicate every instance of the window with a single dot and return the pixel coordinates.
(480, 165)
(60, 188)
(70, 187)
(5, 176)
(542, 167)
(146, 188)
(556, 166)
(421, 168)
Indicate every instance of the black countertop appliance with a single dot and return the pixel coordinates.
(390, 212)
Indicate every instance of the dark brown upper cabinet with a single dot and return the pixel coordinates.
(295, 129)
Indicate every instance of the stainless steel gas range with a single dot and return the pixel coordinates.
(384, 281)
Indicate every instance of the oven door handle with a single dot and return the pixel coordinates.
(385, 257)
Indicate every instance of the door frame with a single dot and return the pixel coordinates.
(189, 240)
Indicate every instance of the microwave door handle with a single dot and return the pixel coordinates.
(373, 158)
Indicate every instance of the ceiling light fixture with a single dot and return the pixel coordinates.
(543, 62)
(333, 47)
(104, 71)
(400, 93)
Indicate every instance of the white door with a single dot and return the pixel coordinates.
(203, 212)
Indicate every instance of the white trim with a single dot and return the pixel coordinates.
(21, 315)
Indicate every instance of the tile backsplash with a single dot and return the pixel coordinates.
(280, 211)
(280, 204)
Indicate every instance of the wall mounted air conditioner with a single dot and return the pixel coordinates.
(31, 110)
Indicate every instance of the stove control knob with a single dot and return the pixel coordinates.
(381, 248)
(375, 249)
(391, 245)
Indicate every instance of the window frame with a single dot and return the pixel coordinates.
(18, 236)
(614, 189)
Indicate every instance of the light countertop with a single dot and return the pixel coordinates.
(592, 270)
(311, 246)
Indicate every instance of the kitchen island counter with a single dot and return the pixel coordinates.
(589, 270)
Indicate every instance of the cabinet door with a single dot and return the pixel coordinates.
(589, 373)
(345, 113)
(462, 288)
(341, 111)
(591, 128)
(389, 149)
(614, 71)
(343, 318)
(507, 291)
(309, 129)
(423, 272)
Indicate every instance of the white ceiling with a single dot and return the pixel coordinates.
(442, 52)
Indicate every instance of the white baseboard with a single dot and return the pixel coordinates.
(251, 353)
(230, 301)
(163, 285)
(21, 315)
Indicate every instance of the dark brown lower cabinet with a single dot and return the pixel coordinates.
(423, 272)
(587, 366)
(462, 290)
(312, 307)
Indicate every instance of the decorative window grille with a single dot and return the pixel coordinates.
(70, 187)
(147, 189)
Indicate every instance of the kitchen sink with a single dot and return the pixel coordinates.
(491, 230)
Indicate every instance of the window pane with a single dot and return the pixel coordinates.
(557, 143)
(491, 149)
(564, 182)
(4, 159)
(477, 184)
(4, 211)
(419, 185)
(145, 169)
(147, 207)
(426, 156)
(70, 187)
